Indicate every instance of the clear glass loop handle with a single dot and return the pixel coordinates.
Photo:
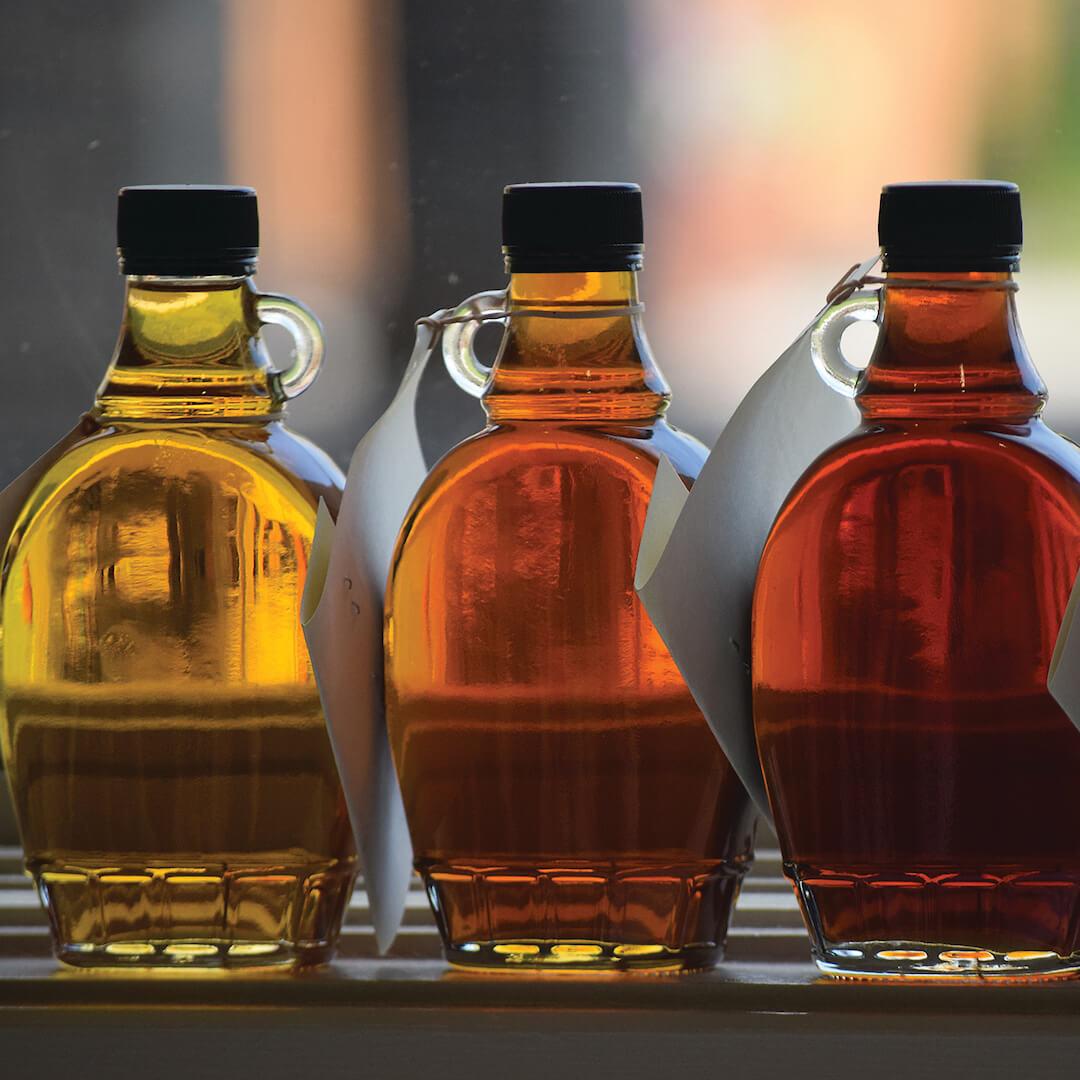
(825, 344)
(307, 334)
(457, 342)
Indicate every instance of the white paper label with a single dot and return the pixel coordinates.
(697, 566)
(1063, 675)
(342, 617)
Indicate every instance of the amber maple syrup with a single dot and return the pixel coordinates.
(568, 805)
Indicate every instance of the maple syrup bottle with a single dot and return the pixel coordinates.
(923, 781)
(568, 805)
(171, 771)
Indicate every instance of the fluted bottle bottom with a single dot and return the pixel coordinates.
(597, 956)
(112, 913)
(941, 924)
(941, 963)
(572, 915)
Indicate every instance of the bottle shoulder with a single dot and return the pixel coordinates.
(305, 461)
(546, 470)
(267, 465)
(633, 446)
(1024, 468)
(505, 451)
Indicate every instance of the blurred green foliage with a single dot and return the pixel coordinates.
(1030, 133)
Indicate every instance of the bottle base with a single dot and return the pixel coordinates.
(581, 957)
(239, 913)
(572, 915)
(1007, 923)
(175, 954)
(910, 960)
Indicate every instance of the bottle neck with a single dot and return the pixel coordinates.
(189, 350)
(950, 352)
(575, 368)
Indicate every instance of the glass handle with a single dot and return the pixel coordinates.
(457, 342)
(825, 340)
(307, 334)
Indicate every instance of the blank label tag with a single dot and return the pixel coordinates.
(342, 615)
(697, 564)
(1063, 675)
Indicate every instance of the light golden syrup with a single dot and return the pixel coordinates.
(172, 776)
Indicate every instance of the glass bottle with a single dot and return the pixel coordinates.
(567, 802)
(172, 777)
(906, 607)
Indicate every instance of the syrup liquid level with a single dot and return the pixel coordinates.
(172, 777)
(907, 605)
(567, 802)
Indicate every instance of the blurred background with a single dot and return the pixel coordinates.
(379, 134)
